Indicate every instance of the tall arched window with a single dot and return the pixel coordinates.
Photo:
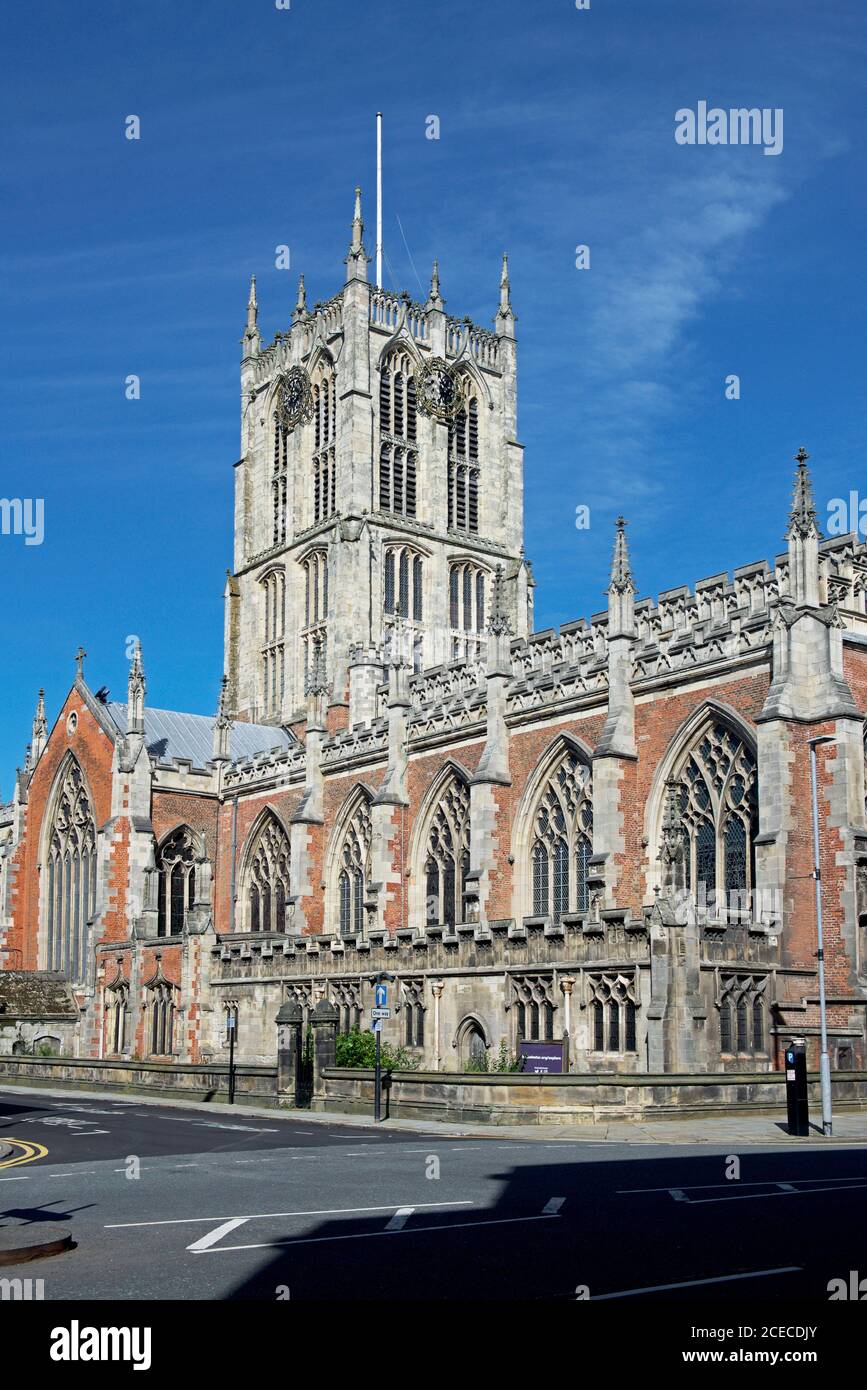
(324, 434)
(268, 877)
(315, 625)
(398, 449)
(176, 882)
(354, 870)
(563, 843)
(719, 811)
(273, 657)
(403, 591)
(463, 469)
(279, 477)
(70, 892)
(447, 859)
(117, 1016)
(467, 610)
(162, 1018)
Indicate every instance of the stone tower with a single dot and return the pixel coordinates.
(380, 478)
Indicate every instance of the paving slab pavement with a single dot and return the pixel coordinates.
(850, 1127)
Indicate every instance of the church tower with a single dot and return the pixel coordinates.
(379, 487)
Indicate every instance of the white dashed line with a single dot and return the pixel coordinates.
(400, 1218)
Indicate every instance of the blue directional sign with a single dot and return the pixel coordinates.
(381, 996)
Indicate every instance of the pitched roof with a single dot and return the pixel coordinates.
(169, 734)
(35, 994)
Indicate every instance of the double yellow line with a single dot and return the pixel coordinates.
(30, 1152)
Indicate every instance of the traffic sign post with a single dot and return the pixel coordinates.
(380, 1012)
(230, 1024)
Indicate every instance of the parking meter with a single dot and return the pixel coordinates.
(796, 1087)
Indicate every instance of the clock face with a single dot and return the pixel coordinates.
(439, 390)
(294, 397)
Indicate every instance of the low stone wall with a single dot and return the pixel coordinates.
(549, 1100)
(176, 1080)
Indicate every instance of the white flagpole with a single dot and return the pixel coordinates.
(379, 200)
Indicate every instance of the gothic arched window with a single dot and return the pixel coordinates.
(268, 877)
(563, 843)
(398, 450)
(273, 657)
(162, 1019)
(315, 626)
(447, 858)
(719, 812)
(279, 482)
(70, 892)
(354, 871)
(463, 468)
(742, 1014)
(176, 882)
(324, 434)
(613, 1013)
(117, 1016)
(467, 589)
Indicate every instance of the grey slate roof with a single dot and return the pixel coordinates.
(169, 735)
(35, 994)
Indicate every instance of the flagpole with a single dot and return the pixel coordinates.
(379, 200)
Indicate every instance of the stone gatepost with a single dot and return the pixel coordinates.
(324, 1019)
(289, 1058)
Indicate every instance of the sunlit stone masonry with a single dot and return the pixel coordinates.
(599, 835)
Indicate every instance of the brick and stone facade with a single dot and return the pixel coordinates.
(599, 834)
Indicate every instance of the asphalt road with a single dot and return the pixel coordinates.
(169, 1203)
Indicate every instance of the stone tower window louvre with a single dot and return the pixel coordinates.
(447, 860)
(463, 469)
(279, 482)
(71, 876)
(398, 454)
(268, 878)
(563, 844)
(176, 883)
(324, 434)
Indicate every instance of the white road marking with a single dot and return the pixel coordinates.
(691, 1283)
(267, 1215)
(786, 1187)
(551, 1208)
(400, 1218)
(371, 1235)
(21, 1179)
(678, 1194)
(87, 1133)
(753, 1196)
(709, 1186)
(205, 1242)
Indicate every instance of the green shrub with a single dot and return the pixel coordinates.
(357, 1049)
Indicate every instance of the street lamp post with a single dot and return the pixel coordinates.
(824, 1062)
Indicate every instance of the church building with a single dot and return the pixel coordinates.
(599, 836)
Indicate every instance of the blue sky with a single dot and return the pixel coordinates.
(557, 129)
